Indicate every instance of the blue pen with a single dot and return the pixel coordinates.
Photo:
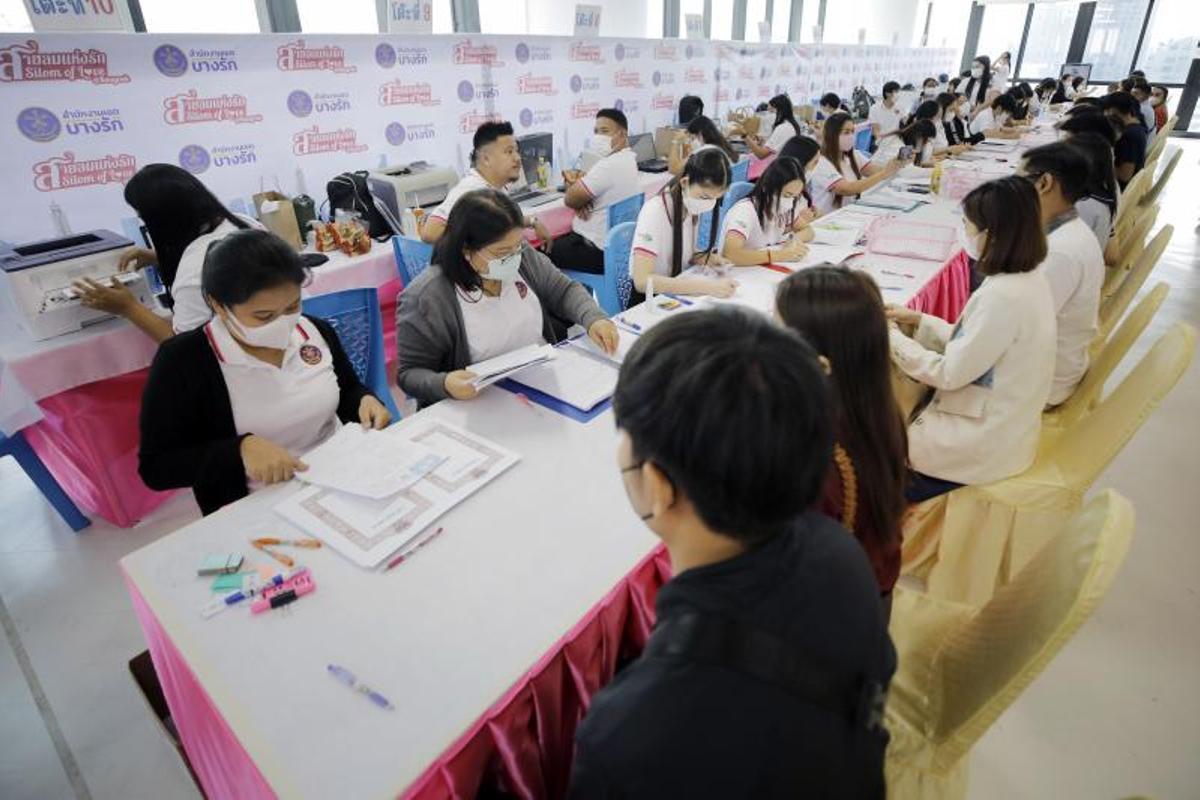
(631, 325)
(346, 677)
(234, 598)
(677, 298)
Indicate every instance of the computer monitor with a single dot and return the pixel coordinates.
(534, 147)
(643, 147)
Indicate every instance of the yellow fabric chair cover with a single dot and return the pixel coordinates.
(961, 668)
(1133, 195)
(1088, 392)
(1132, 242)
(967, 542)
(1114, 307)
(1172, 161)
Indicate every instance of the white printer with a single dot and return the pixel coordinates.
(38, 278)
(415, 185)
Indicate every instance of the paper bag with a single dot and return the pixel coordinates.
(276, 213)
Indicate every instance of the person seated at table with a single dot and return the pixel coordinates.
(828, 105)
(918, 134)
(953, 123)
(979, 90)
(935, 112)
(1140, 89)
(613, 178)
(182, 218)
(786, 126)
(771, 223)
(840, 313)
(495, 163)
(664, 240)
(886, 115)
(690, 107)
(1074, 264)
(990, 372)
(486, 294)
(1045, 92)
(929, 91)
(1158, 99)
(807, 151)
(1098, 209)
(1021, 115)
(843, 171)
(995, 121)
(727, 483)
(235, 404)
(700, 131)
(1130, 151)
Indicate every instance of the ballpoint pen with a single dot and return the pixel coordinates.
(400, 559)
(310, 544)
(346, 678)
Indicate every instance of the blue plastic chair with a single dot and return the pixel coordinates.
(625, 211)
(354, 316)
(17, 447)
(740, 171)
(614, 287)
(412, 257)
(862, 140)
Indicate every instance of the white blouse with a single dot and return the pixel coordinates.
(499, 325)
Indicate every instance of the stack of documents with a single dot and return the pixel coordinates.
(494, 369)
(574, 376)
(906, 238)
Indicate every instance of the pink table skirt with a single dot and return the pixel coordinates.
(947, 293)
(523, 744)
(88, 438)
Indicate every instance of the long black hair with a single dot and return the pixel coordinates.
(977, 88)
(708, 132)
(927, 109)
(803, 149)
(1102, 175)
(784, 112)
(177, 209)
(706, 167)
(766, 195)
(831, 147)
(478, 219)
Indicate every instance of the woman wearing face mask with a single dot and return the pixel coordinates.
(918, 134)
(843, 171)
(771, 223)
(237, 402)
(950, 132)
(886, 115)
(786, 126)
(995, 121)
(665, 238)
(1045, 92)
(700, 131)
(485, 294)
(991, 372)
(1002, 70)
(979, 91)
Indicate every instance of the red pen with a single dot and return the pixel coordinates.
(398, 560)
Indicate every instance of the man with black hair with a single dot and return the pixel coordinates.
(1140, 89)
(885, 116)
(770, 658)
(1074, 263)
(1158, 99)
(1130, 152)
(495, 163)
(830, 105)
(690, 107)
(610, 180)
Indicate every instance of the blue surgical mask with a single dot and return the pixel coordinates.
(504, 269)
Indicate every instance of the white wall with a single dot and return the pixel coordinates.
(881, 18)
(637, 18)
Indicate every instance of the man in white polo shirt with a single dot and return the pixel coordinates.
(886, 115)
(495, 163)
(1074, 265)
(612, 179)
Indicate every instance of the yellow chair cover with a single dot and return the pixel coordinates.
(1132, 244)
(1114, 307)
(960, 668)
(967, 542)
(1133, 195)
(1156, 190)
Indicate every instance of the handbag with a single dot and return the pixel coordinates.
(349, 192)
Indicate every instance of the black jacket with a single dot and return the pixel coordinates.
(671, 727)
(187, 431)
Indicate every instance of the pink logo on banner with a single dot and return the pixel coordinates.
(27, 62)
(64, 172)
(582, 110)
(295, 56)
(582, 51)
(662, 101)
(666, 52)
(467, 53)
(398, 93)
(536, 84)
(311, 141)
(190, 107)
(468, 122)
(627, 78)
(693, 75)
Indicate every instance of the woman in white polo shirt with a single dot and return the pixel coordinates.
(771, 223)
(236, 403)
(785, 128)
(843, 171)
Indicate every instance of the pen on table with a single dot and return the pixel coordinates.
(311, 544)
(633, 326)
(280, 557)
(346, 678)
(677, 298)
(898, 274)
(892, 288)
(398, 560)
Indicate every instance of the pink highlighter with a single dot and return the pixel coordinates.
(285, 593)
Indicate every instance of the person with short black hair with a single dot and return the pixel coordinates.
(700, 132)
(786, 126)
(1130, 151)
(996, 120)
(760, 581)
(956, 134)
(236, 403)
(612, 178)
(771, 223)
(1141, 91)
(990, 372)
(919, 134)
(495, 163)
(486, 293)
(886, 115)
(1074, 263)
(690, 107)
(830, 104)
(1045, 91)
(1158, 99)
(1096, 122)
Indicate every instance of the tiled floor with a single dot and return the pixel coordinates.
(1117, 714)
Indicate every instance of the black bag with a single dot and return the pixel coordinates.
(349, 191)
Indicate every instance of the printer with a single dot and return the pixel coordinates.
(37, 278)
(415, 185)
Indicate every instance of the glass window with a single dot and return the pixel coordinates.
(1170, 43)
(948, 26)
(1003, 24)
(13, 17)
(211, 16)
(782, 21)
(809, 15)
(501, 16)
(722, 20)
(443, 17)
(1113, 38)
(1049, 39)
(654, 19)
(347, 16)
(756, 11)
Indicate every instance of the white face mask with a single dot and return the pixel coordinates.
(971, 245)
(976, 72)
(276, 334)
(504, 269)
(930, 92)
(697, 143)
(601, 144)
(698, 205)
(846, 142)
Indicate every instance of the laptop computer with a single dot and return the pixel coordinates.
(647, 158)
(536, 150)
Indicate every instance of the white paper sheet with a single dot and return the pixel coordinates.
(366, 463)
(624, 344)
(574, 377)
(494, 369)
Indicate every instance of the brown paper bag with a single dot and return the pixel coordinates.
(277, 215)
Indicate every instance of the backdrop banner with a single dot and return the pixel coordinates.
(82, 112)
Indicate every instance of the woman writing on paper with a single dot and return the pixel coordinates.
(182, 218)
(920, 135)
(665, 238)
(786, 126)
(770, 224)
(991, 372)
(237, 402)
(843, 171)
(996, 121)
(486, 293)
(840, 313)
